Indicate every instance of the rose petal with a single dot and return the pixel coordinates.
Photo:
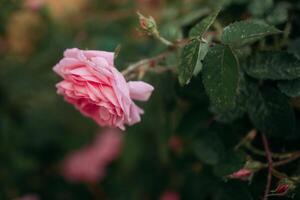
(140, 90)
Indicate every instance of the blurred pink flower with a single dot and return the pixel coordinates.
(28, 197)
(89, 163)
(175, 144)
(170, 195)
(34, 4)
(98, 90)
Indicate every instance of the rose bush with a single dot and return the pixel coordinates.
(222, 124)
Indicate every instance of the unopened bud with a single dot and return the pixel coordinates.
(284, 187)
(247, 172)
(147, 24)
(243, 174)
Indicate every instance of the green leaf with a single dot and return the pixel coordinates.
(290, 88)
(231, 115)
(209, 148)
(273, 66)
(189, 58)
(239, 108)
(231, 162)
(259, 8)
(199, 29)
(245, 32)
(294, 47)
(270, 112)
(203, 49)
(279, 14)
(221, 76)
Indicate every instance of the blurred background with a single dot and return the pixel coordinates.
(38, 129)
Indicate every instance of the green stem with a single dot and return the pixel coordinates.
(163, 40)
(219, 28)
(259, 152)
(278, 174)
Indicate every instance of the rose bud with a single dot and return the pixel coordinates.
(246, 173)
(284, 187)
(148, 24)
(242, 174)
(98, 90)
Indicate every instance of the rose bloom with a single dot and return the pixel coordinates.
(98, 90)
(170, 195)
(89, 163)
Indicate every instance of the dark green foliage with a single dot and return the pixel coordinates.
(270, 112)
(199, 29)
(230, 162)
(220, 76)
(294, 47)
(189, 58)
(273, 66)
(239, 109)
(209, 148)
(245, 32)
(290, 88)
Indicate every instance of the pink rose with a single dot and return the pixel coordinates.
(89, 163)
(98, 90)
(81, 166)
(108, 146)
(170, 195)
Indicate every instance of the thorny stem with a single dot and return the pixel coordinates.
(283, 162)
(288, 160)
(151, 62)
(247, 143)
(270, 164)
(259, 152)
(145, 63)
(279, 175)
